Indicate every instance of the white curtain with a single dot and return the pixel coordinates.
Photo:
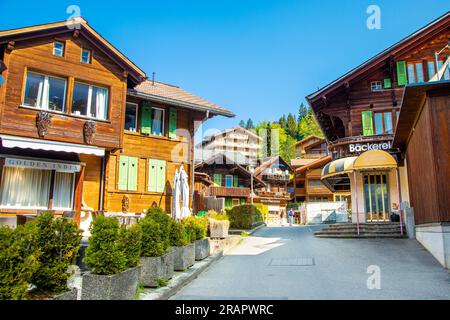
(101, 98)
(157, 121)
(63, 190)
(25, 188)
(40, 93)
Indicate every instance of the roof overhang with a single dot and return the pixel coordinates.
(8, 141)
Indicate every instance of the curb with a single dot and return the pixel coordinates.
(250, 232)
(179, 281)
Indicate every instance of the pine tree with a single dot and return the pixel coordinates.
(291, 126)
(302, 112)
(250, 125)
(242, 124)
(282, 122)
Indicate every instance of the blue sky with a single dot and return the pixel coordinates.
(258, 58)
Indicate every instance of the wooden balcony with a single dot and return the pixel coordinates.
(319, 191)
(300, 192)
(341, 148)
(278, 195)
(276, 177)
(229, 192)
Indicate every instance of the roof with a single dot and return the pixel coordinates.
(224, 132)
(317, 163)
(413, 101)
(269, 162)
(444, 19)
(167, 93)
(73, 25)
(302, 161)
(309, 138)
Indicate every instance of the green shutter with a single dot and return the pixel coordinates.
(228, 203)
(387, 83)
(160, 175)
(132, 173)
(367, 124)
(152, 175)
(146, 118)
(217, 179)
(173, 123)
(236, 181)
(243, 201)
(123, 173)
(402, 77)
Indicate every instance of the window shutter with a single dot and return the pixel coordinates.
(146, 118)
(173, 123)
(387, 83)
(152, 175)
(161, 175)
(132, 173)
(228, 203)
(218, 179)
(367, 124)
(236, 181)
(123, 173)
(402, 78)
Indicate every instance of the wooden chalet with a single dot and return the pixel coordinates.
(66, 98)
(358, 114)
(221, 177)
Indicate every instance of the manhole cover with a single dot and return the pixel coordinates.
(292, 262)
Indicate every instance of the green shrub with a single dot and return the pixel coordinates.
(19, 259)
(131, 244)
(211, 214)
(164, 221)
(198, 226)
(104, 254)
(179, 236)
(58, 241)
(244, 216)
(152, 238)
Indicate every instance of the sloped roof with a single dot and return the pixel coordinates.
(163, 92)
(269, 162)
(224, 132)
(303, 141)
(73, 25)
(301, 162)
(315, 164)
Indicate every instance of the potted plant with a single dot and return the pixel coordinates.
(184, 249)
(58, 241)
(199, 227)
(112, 275)
(218, 224)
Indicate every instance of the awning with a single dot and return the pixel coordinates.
(36, 144)
(369, 160)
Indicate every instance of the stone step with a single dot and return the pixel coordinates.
(351, 229)
(370, 225)
(361, 236)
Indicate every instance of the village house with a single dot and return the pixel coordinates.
(359, 112)
(82, 129)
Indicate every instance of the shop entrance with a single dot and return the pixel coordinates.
(376, 197)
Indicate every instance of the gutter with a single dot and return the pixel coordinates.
(180, 103)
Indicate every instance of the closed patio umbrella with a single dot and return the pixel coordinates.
(184, 181)
(176, 210)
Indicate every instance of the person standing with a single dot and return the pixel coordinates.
(290, 217)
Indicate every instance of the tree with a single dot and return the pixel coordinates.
(291, 126)
(282, 122)
(242, 124)
(302, 112)
(309, 126)
(250, 125)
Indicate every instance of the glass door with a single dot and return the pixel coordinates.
(376, 197)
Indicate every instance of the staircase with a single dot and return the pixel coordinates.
(366, 231)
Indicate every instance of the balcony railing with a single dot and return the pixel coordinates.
(269, 194)
(229, 192)
(277, 177)
(343, 147)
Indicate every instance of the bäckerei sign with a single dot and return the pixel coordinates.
(42, 165)
(362, 147)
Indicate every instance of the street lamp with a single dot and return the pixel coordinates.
(252, 170)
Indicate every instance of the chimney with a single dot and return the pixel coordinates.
(153, 78)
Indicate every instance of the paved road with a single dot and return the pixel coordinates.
(267, 266)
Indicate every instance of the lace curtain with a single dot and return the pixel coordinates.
(63, 190)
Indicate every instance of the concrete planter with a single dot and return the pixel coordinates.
(68, 295)
(201, 249)
(121, 286)
(184, 257)
(218, 228)
(167, 265)
(151, 271)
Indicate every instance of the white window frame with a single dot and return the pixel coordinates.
(376, 86)
(137, 112)
(89, 56)
(163, 118)
(45, 90)
(62, 49)
(89, 101)
(73, 193)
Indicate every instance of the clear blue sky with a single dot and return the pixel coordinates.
(258, 58)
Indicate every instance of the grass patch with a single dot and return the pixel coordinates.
(139, 290)
(244, 234)
(162, 283)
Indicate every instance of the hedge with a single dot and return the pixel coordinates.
(244, 216)
(131, 244)
(179, 235)
(197, 226)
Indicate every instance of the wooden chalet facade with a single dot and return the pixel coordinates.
(63, 106)
(358, 114)
(221, 177)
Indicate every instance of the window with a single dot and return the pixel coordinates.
(157, 121)
(86, 56)
(63, 191)
(431, 69)
(236, 202)
(44, 92)
(415, 72)
(217, 179)
(315, 183)
(383, 123)
(446, 75)
(156, 175)
(90, 101)
(128, 173)
(228, 181)
(58, 49)
(131, 117)
(25, 188)
(376, 85)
